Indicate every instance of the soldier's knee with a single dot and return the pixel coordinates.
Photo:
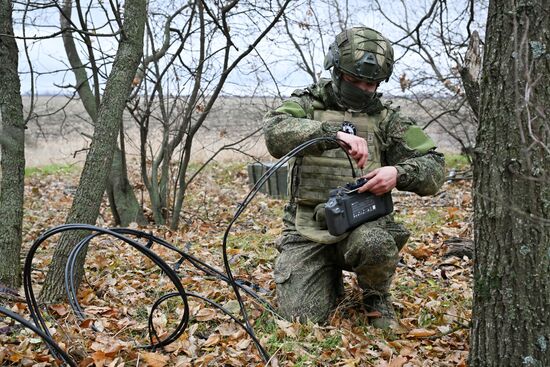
(305, 295)
(370, 246)
(297, 301)
(399, 233)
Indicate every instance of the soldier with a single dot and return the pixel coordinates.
(393, 150)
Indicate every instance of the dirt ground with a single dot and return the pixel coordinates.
(60, 130)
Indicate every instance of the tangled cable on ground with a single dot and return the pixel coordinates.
(132, 237)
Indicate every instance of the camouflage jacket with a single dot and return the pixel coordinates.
(420, 168)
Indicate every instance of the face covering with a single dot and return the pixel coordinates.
(354, 97)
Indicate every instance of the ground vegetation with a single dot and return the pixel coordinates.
(432, 289)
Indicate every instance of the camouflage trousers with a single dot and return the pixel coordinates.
(308, 275)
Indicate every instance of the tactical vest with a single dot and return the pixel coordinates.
(311, 177)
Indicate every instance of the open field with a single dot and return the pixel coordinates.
(60, 131)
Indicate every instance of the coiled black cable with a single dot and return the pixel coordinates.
(40, 325)
(52, 345)
(70, 282)
(33, 305)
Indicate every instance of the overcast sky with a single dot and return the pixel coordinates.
(48, 56)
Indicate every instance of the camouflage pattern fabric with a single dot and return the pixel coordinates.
(308, 274)
(419, 171)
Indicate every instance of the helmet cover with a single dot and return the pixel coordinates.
(362, 53)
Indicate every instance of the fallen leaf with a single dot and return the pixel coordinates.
(60, 309)
(399, 361)
(374, 314)
(15, 357)
(385, 351)
(99, 358)
(227, 329)
(96, 309)
(232, 306)
(183, 361)
(113, 363)
(159, 321)
(350, 362)
(155, 359)
(421, 252)
(420, 333)
(243, 344)
(318, 334)
(213, 339)
(86, 323)
(286, 327)
(206, 314)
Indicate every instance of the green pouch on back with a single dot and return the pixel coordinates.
(417, 140)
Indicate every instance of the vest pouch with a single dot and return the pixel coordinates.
(308, 226)
(320, 216)
(316, 174)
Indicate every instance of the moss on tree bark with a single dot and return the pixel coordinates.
(511, 309)
(12, 151)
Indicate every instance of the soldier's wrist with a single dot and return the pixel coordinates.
(401, 176)
(329, 129)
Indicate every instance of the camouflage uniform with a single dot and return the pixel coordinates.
(308, 274)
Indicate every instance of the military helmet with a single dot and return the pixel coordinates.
(363, 53)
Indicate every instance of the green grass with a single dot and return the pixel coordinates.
(430, 220)
(425, 318)
(51, 169)
(291, 348)
(331, 342)
(434, 217)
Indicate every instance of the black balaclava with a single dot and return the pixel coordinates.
(351, 97)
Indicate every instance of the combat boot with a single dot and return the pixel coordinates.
(380, 306)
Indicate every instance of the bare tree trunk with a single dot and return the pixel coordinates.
(12, 152)
(93, 180)
(124, 205)
(122, 200)
(511, 310)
